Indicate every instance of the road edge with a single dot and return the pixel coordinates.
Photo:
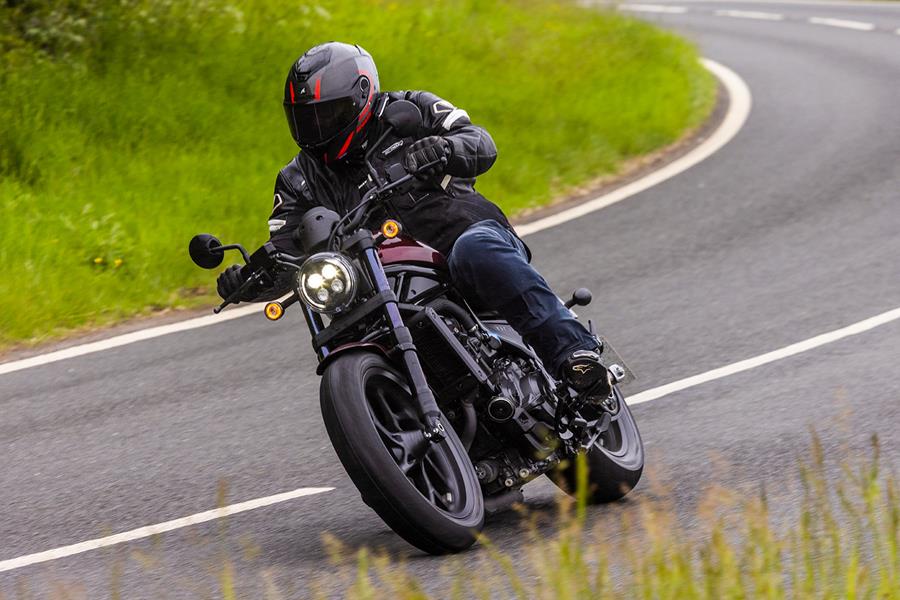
(739, 106)
(740, 102)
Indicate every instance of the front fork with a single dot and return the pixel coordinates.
(429, 413)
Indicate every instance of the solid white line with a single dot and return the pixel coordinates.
(128, 338)
(843, 23)
(150, 530)
(642, 397)
(768, 357)
(738, 110)
(653, 8)
(898, 31)
(750, 14)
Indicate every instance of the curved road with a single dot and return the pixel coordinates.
(791, 230)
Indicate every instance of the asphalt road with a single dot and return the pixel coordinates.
(789, 231)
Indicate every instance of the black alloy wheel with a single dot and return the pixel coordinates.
(426, 492)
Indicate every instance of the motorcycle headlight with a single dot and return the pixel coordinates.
(326, 282)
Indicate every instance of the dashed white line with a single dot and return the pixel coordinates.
(763, 359)
(653, 8)
(150, 530)
(750, 14)
(645, 396)
(886, 4)
(844, 23)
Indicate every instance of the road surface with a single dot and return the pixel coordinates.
(789, 231)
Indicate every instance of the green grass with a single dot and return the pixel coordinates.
(843, 541)
(833, 534)
(129, 126)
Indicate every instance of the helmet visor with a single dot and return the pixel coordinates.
(317, 122)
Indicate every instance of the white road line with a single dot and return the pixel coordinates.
(843, 23)
(898, 31)
(750, 14)
(653, 8)
(738, 110)
(150, 530)
(128, 338)
(645, 396)
(763, 359)
(889, 4)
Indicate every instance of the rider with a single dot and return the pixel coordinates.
(333, 106)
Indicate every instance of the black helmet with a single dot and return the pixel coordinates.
(328, 99)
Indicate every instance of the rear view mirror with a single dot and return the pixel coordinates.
(404, 116)
(202, 251)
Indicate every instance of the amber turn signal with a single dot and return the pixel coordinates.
(274, 311)
(390, 229)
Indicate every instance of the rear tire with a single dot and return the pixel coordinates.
(364, 401)
(615, 466)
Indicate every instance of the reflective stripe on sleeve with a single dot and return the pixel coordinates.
(454, 116)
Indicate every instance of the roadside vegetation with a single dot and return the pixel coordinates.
(129, 126)
(835, 534)
(844, 543)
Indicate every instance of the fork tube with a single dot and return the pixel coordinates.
(315, 324)
(403, 339)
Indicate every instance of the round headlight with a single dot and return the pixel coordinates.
(326, 282)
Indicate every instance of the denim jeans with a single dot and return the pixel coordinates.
(489, 265)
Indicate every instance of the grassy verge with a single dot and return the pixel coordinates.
(129, 126)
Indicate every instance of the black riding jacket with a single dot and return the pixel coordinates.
(435, 212)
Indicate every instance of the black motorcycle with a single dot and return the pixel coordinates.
(435, 408)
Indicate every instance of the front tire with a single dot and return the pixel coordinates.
(435, 502)
(615, 462)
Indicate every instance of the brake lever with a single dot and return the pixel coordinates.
(234, 297)
(434, 163)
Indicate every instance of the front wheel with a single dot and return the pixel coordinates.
(615, 461)
(427, 493)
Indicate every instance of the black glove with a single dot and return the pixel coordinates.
(229, 281)
(427, 150)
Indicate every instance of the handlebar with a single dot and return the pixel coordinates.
(259, 265)
(379, 193)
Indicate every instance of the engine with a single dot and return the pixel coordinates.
(513, 441)
(519, 388)
(517, 419)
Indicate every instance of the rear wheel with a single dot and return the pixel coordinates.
(427, 493)
(615, 461)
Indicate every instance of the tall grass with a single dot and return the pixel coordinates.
(125, 127)
(844, 543)
(839, 537)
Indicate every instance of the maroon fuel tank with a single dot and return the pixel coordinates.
(406, 250)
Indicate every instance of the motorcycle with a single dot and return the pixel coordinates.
(436, 409)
